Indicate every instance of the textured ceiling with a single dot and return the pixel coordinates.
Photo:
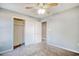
(20, 8)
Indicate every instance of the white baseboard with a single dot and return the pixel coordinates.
(6, 51)
(63, 48)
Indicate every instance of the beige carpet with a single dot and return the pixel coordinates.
(39, 50)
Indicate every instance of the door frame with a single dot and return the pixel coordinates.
(20, 19)
(45, 30)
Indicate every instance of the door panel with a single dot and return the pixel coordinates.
(44, 31)
(18, 32)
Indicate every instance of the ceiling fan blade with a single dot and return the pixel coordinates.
(28, 7)
(52, 4)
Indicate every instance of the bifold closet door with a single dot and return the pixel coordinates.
(18, 32)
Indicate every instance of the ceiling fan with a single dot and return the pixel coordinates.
(41, 7)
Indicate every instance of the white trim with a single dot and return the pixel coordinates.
(13, 29)
(63, 48)
(12, 32)
(6, 51)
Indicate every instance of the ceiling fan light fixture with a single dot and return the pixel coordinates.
(41, 11)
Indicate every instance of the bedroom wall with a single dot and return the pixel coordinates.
(63, 29)
(6, 29)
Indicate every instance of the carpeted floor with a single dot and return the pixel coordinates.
(39, 50)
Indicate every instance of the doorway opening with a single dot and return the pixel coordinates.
(44, 32)
(19, 25)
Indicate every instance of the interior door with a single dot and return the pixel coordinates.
(44, 31)
(18, 32)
